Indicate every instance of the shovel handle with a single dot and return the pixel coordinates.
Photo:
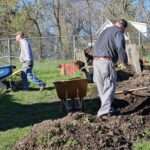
(131, 90)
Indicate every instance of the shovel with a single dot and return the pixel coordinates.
(130, 90)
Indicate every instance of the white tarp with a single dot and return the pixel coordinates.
(107, 24)
(141, 27)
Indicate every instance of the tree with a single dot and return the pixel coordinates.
(119, 9)
(142, 13)
(57, 15)
(32, 13)
(7, 13)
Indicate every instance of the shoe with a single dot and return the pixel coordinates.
(25, 89)
(115, 113)
(101, 115)
(42, 87)
(109, 114)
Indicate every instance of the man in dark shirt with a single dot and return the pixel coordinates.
(108, 49)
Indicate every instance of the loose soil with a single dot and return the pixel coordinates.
(85, 131)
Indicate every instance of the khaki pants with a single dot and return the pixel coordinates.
(105, 79)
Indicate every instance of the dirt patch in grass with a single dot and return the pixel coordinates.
(85, 131)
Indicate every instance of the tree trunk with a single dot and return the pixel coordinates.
(56, 11)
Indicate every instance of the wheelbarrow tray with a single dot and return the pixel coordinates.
(75, 88)
(71, 89)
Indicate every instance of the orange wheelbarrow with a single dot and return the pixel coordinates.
(74, 90)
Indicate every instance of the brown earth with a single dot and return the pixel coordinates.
(84, 131)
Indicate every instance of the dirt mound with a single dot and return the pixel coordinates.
(81, 131)
(85, 131)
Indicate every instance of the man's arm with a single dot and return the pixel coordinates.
(120, 45)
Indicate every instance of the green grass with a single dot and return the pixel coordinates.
(148, 58)
(143, 144)
(20, 110)
(9, 137)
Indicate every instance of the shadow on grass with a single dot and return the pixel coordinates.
(16, 89)
(37, 89)
(13, 115)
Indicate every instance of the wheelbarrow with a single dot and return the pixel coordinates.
(6, 72)
(74, 90)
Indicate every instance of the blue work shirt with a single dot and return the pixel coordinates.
(111, 43)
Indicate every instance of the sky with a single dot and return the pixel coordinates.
(146, 2)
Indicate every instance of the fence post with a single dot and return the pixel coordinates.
(55, 46)
(9, 51)
(74, 47)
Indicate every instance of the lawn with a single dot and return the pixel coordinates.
(20, 110)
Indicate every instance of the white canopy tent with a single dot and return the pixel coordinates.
(141, 27)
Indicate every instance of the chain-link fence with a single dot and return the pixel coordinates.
(50, 48)
(43, 48)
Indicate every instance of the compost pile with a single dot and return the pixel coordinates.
(85, 131)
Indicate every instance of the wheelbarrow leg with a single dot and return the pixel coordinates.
(64, 104)
(73, 104)
(81, 104)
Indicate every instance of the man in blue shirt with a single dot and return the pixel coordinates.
(26, 58)
(108, 49)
